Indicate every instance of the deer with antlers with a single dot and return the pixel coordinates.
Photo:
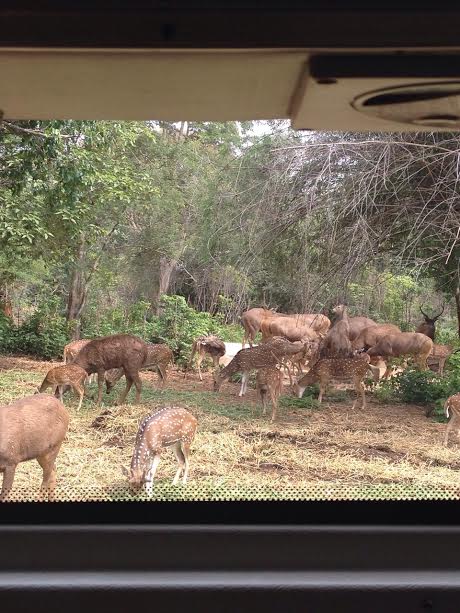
(262, 356)
(328, 369)
(428, 327)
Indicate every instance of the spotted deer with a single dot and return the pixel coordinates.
(60, 376)
(452, 412)
(439, 356)
(203, 346)
(167, 427)
(327, 369)
(159, 356)
(253, 358)
(269, 383)
(32, 428)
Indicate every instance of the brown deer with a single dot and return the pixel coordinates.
(325, 370)
(336, 343)
(159, 356)
(414, 344)
(452, 411)
(72, 349)
(368, 337)
(357, 324)
(269, 382)
(251, 320)
(253, 358)
(206, 345)
(292, 329)
(61, 376)
(118, 351)
(428, 327)
(32, 428)
(167, 426)
(439, 356)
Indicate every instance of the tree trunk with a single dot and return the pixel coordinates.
(457, 301)
(167, 267)
(77, 293)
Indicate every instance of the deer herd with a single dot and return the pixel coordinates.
(308, 347)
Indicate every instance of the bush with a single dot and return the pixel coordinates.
(420, 387)
(133, 319)
(43, 334)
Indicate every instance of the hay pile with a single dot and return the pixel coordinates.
(384, 451)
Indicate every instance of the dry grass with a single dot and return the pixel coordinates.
(331, 452)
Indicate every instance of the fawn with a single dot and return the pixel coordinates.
(32, 428)
(168, 426)
(269, 382)
(452, 410)
(61, 376)
(324, 370)
(203, 346)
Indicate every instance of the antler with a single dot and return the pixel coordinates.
(424, 314)
(442, 311)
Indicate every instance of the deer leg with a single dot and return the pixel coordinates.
(198, 364)
(186, 452)
(244, 384)
(441, 366)
(47, 462)
(450, 425)
(274, 405)
(129, 382)
(149, 477)
(7, 485)
(322, 389)
(81, 392)
(100, 383)
(161, 370)
(180, 457)
(263, 397)
(138, 385)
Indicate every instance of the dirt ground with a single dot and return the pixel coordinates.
(327, 452)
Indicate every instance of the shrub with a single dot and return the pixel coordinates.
(43, 334)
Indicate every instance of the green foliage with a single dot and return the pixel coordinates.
(413, 386)
(308, 401)
(43, 334)
(128, 319)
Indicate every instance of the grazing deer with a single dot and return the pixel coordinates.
(336, 343)
(32, 428)
(452, 411)
(269, 382)
(368, 337)
(159, 356)
(289, 327)
(61, 376)
(428, 327)
(168, 426)
(253, 358)
(439, 355)
(414, 344)
(325, 370)
(357, 324)
(206, 345)
(117, 351)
